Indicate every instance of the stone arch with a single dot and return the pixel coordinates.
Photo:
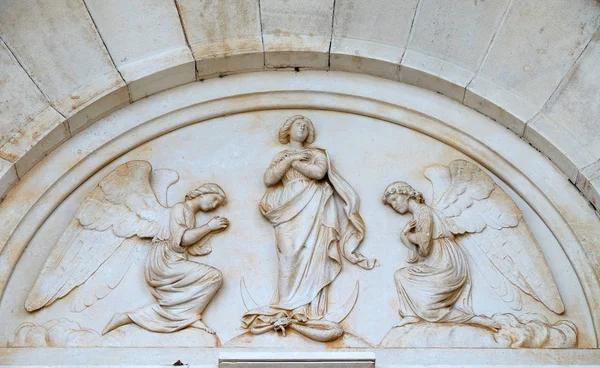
(28, 206)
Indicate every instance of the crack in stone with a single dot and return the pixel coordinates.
(410, 35)
(564, 80)
(262, 37)
(185, 36)
(107, 52)
(331, 37)
(29, 76)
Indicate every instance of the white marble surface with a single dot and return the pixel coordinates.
(235, 159)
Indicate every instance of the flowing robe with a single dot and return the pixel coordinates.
(182, 288)
(437, 288)
(308, 235)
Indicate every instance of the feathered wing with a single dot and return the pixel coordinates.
(122, 206)
(490, 226)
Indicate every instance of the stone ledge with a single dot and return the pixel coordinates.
(8, 177)
(228, 57)
(296, 51)
(35, 140)
(588, 181)
(539, 133)
(361, 56)
(434, 74)
(158, 72)
(499, 104)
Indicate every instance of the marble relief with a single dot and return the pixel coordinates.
(311, 223)
(311, 239)
(470, 218)
(125, 212)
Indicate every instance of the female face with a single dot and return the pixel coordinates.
(209, 202)
(399, 202)
(299, 131)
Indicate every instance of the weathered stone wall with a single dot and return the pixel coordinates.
(530, 65)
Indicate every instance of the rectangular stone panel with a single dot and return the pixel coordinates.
(297, 360)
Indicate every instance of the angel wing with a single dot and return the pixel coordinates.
(106, 229)
(490, 226)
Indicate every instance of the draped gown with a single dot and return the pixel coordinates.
(308, 234)
(182, 288)
(437, 289)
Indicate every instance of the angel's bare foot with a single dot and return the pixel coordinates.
(201, 326)
(485, 322)
(118, 320)
(408, 320)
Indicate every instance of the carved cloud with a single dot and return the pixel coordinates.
(534, 331)
(526, 331)
(55, 333)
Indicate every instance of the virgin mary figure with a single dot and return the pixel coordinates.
(300, 203)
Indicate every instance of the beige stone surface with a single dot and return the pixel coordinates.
(434, 74)
(146, 42)
(20, 99)
(588, 181)
(225, 36)
(29, 127)
(35, 140)
(297, 34)
(459, 32)
(8, 177)
(448, 43)
(371, 39)
(523, 60)
(532, 48)
(532, 51)
(236, 153)
(237, 163)
(57, 44)
(571, 117)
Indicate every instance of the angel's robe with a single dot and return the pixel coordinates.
(437, 288)
(182, 288)
(308, 235)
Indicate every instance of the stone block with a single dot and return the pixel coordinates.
(20, 99)
(8, 177)
(297, 34)
(588, 181)
(57, 43)
(573, 113)
(369, 37)
(435, 74)
(33, 141)
(225, 36)
(534, 48)
(458, 32)
(150, 51)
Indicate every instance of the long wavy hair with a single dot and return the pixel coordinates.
(284, 132)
